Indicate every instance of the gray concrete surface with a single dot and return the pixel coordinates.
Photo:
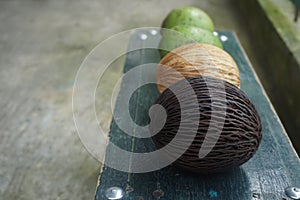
(42, 44)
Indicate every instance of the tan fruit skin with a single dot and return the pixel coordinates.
(194, 60)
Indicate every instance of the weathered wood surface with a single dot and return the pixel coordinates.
(274, 167)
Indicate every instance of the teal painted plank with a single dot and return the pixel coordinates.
(297, 3)
(274, 166)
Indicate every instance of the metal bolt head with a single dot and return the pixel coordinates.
(114, 193)
(293, 192)
(223, 38)
(143, 36)
(153, 32)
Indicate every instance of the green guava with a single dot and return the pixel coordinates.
(183, 34)
(188, 16)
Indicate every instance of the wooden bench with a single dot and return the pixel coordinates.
(274, 167)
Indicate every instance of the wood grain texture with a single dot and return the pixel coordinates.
(274, 166)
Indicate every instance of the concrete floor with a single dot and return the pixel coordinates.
(42, 44)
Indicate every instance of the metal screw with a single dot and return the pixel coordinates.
(114, 193)
(223, 38)
(292, 192)
(143, 36)
(153, 32)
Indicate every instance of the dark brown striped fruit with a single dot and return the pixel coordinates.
(240, 135)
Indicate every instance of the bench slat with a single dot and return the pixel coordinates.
(274, 167)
